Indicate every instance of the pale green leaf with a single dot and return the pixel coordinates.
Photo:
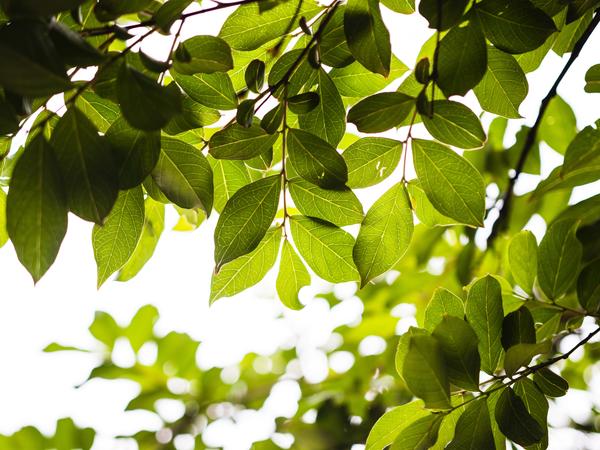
(292, 277)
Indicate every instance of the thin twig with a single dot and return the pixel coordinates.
(170, 55)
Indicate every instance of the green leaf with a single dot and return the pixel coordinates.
(247, 270)
(462, 60)
(371, 160)
(559, 125)
(154, 224)
(592, 79)
(248, 27)
(400, 6)
(367, 36)
(292, 277)
(184, 176)
(214, 90)
(100, 111)
(452, 184)
(208, 54)
(135, 152)
(443, 304)
(316, 160)
(304, 103)
(115, 241)
(326, 248)
(520, 355)
(583, 152)
(145, 104)
(238, 142)
(484, 313)
(193, 115)
(588, 287)
(328, 119)
(340, 207)
(419, 435)
(245, 219)
(424, 210)
(228, 178)
(384, 235)
(570, 34)
(31, 65)
(141, 328)
(474, 428)
(442, 15)
(514, 26)
(536, 404)
(298, 79)
(503, 86)
(514, 420)
(333, 48)
(522, 259)
(36, 208)
(254, 75)
(518, 328)
(424, 372)
(380, 112)
(87, 166)
(74, 50)
(393, 422)
(3, 232)
(354, 80)
(402, 348)
(38, 7)
(559, 258)
(458, 342)
(169, 13)
(550, 383)
(455, 124)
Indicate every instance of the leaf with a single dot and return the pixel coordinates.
(570, 34)
(74, 50)
(38, 7)
(583, 152)
(354, 80)
(389, 426)
(424, 210)
(371, 160)
(402, 348)
(424, 372)
(592, 79)
(86, 166)
(559, 258)
(184, 176)
(419, 435)
(328, 119)
(316, 160)
(550, 383)
(238, 142)
(254, 75)
(400, 6)
(442, 15)
(141, 328)
(503, 86)
(208, 54)
(588, 287)
(333, 48)
(247, 270)
(193, 115)
(522, 259)
(100, 111)
(298, 78)
(452, 184)
(514, 26)
(340, 207)
(484, 313)
(31, 64)
(462, 60)
(169, 13)
(228, 178)
(514, 420)
(115, 241)
(154, 224)
(520, 355)
(304, 103)
(245, 219)
(455, 124)
(214, 90)
(367, 36)
(474, 428)
(536, 404)
(36, 208)
(443, 304)
(380, 112)
(326, 248)
(292, 277)
(518, 328)
(559, 125)
(135, 152)
(384, 235)
(248, 27)
(3, 232)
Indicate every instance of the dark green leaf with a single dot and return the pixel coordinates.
(213, 89)
(153, 65)
(485, 314)
(245, 113)
(588, 287)
(36, 208)
(550, 383)
(245, 219)
(371, 160)
(518, 328)
(272, 119)
(169, 12)
(514, 420)
(583, 152)
(520, 355)
(443, 304)
(38, 7)
(340, 207)
(255, 75)
(115, 241)
(592, 79)
(208, 54)
(238, 142)
(303, 103)
(74, 50)
(380, 112)
(522, 259)
(385, 234)
(537, 405)
(184, 175)
(442, 15)
(333, 48)
(403, 346)
(292, 277)
(455, 124)
(474, 429)
(193, 115)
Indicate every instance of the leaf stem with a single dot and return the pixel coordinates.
(172, 49)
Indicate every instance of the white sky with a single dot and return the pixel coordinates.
(37, 388)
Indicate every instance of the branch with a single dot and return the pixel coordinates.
(504, 212)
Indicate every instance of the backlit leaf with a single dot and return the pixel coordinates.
(292, 277)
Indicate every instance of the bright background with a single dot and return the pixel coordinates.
(38, 388)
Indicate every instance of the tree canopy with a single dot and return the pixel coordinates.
(283, 124)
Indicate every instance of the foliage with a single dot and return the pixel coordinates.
(195, 131)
